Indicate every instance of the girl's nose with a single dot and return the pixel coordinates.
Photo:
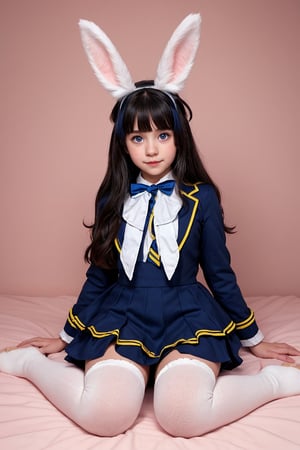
(151, 148)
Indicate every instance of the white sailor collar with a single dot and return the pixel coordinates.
(165, 222)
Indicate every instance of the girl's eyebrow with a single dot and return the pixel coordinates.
(142, 132)
(159, 130)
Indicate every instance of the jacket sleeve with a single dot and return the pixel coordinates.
(216, 265)
(97, 281)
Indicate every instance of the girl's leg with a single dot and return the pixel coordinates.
(189, 400)
(104, 401)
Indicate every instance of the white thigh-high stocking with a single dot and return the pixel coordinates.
(188, 401)
(105, 401)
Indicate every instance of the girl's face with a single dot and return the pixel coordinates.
(153, 152)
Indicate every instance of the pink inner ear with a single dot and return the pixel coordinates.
(102, 60)
(182, 57)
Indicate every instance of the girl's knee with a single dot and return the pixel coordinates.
(113, 396)
(174, 407)
(182, 397)
(110, 419)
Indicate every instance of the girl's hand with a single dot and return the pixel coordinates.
(45, 345)
(275, 350)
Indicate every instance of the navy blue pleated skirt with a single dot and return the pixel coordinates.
(145, 320)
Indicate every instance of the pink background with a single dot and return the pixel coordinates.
(244, 92)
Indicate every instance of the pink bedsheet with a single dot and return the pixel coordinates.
(29, 421)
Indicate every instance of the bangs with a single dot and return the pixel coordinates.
(148, 108)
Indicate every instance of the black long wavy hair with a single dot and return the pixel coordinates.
(146, 106)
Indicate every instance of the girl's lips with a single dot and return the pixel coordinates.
(153, 163)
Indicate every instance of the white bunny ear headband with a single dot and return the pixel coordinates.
(173, 68)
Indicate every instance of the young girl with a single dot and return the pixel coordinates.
(158, 216)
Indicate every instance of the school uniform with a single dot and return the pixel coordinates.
(148, 308)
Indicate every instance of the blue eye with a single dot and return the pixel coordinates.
(163, 136)
(137, 139)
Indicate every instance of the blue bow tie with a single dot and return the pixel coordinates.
(166, 187)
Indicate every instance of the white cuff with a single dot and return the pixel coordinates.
(253, 341)
(65, 337)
